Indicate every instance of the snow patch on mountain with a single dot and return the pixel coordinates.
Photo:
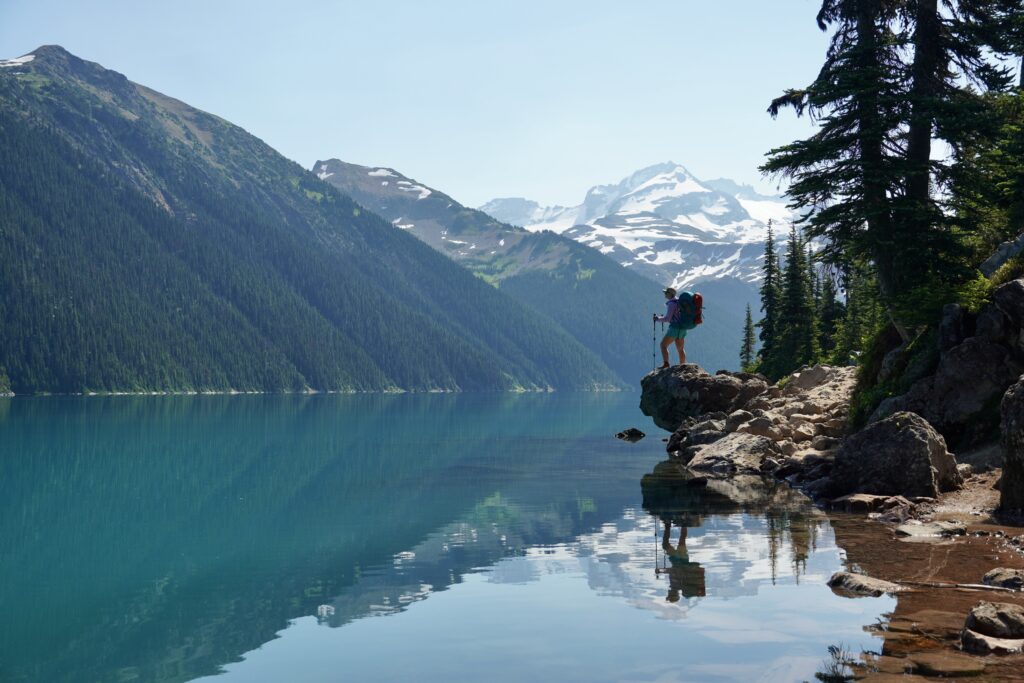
(664, 222)
(16, 61)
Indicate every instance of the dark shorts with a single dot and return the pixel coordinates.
(675, 332)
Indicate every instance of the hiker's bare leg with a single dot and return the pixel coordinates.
(680, 347)
(664, 350)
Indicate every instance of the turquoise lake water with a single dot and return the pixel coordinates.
(395, 538)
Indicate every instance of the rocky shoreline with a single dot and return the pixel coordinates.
(954, 562)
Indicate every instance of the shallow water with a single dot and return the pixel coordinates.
(395, 538)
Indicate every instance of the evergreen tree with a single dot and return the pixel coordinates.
(830, 314)
(842, 177)
(747, 350)
(770, 295)
(797, 342)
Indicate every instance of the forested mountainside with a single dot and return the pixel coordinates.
(602, 304)
(147, 245)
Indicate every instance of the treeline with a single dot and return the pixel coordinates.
(896, 231)
(810, 313)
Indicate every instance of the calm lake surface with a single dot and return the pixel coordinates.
(395, 538)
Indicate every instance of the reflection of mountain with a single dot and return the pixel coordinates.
(159, 538)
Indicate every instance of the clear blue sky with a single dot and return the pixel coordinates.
(540, 99)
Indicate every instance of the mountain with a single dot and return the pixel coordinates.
(663, 222)
(147, 245)
(668, 225)
(603, 305)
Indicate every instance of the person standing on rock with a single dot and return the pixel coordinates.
(676, 333)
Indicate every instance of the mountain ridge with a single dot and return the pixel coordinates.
(174, 251)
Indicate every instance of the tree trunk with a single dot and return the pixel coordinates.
(871, 134)
(927, 57)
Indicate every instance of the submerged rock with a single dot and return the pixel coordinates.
(900, 455)
(946, 664)
(916, 529)
(1011, 488)
(858, 585)
(676, 393)
(632, 435)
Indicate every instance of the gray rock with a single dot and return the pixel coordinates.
(858, 585)
(671, 395)
(809, 378)
(1011, 493)
(736, 453)
(982, 458)
(736, 418)
(1005, 577)
(889, 363)
(1003, 253)
(1009, 298)
(951, 327)
(992, 325)
(761, 426)
(996, 619)
(979, 644)
(958, 399)
(901, 455)
(964, 470)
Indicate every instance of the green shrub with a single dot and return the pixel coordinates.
(1011, 270)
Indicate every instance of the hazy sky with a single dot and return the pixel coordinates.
(480, 99)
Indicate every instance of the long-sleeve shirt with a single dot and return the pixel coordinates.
(670, 310)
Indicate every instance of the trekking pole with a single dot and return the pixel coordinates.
(654, 344)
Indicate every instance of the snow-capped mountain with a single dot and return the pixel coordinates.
(663, 222)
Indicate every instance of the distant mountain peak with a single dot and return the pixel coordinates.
(663, 221)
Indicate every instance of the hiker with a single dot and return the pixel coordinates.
(676, 333)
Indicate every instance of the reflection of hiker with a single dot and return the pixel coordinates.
(676, 316)
(684, 577)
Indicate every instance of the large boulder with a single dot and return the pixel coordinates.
(996, 619)
(671, 395)
(959, 399)
(1009, 298)
(1012, 428)
(901, 455)
(736, 453)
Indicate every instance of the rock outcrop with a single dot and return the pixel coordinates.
(790, 432)
(674, 394)
(1012, 428)
(900, 455)
(957, 400)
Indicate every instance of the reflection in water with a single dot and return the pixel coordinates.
(168, 538)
